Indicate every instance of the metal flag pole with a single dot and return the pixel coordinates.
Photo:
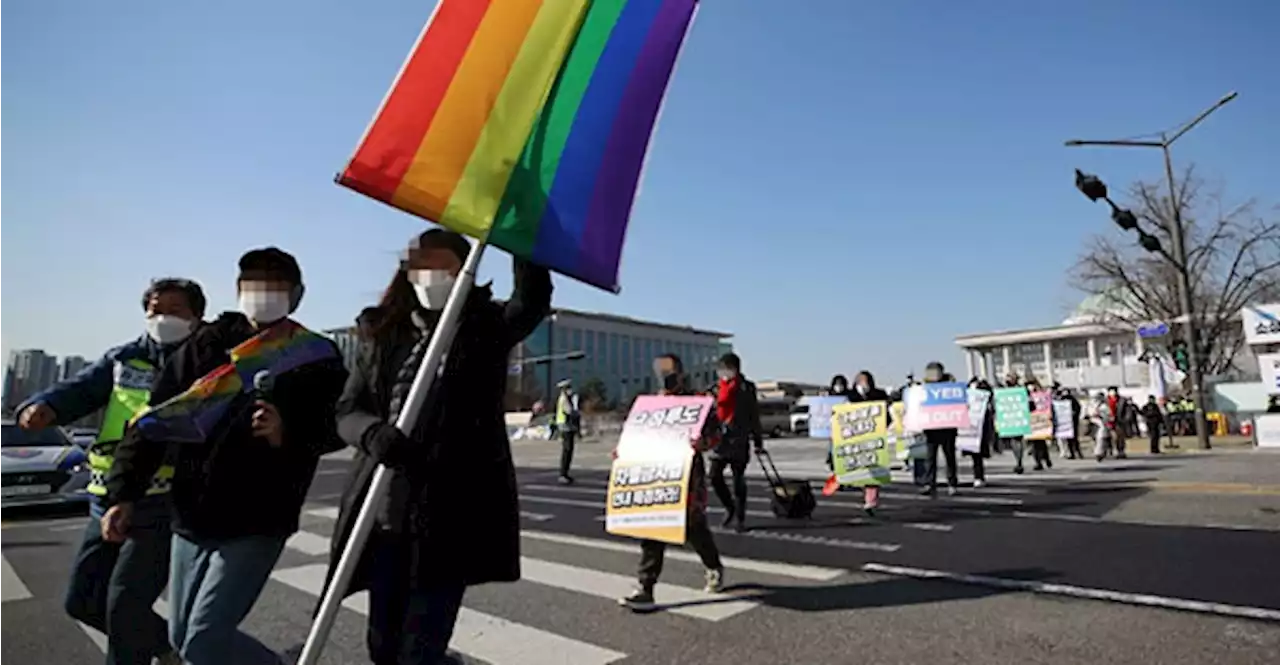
(441, 340)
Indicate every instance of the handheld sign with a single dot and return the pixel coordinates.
(969, 439)
(1013, 414)
(1041, 415)
(1064, 421)
(860, 449)
(936, 406)
(820, 414)
(648, 495)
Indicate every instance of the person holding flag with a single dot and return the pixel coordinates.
(114, 585)
(245, 429)
(435, 533)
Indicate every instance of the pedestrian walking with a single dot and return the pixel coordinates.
(238, 491)
(1154, 420)
(738, 412)
(1071, 445)
(1016, 444)
(1039, 447)
(450, 520)
(114, 585)
(987, 440)
(1099, 415)
(1115, 421)
(674, 381)
(568, 423)
(939, 439)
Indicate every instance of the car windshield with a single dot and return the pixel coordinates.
(14, 436)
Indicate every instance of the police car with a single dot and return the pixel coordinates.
(41, 467)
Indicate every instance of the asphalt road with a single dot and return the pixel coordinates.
(1106, 548)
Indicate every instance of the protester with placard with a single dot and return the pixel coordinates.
(941, 437)
(1099, 415)
(1041, 424)
(1013, 418)
(976, 440)
(1071, 445)
(697, 533)
(413, 566)
(860, 447)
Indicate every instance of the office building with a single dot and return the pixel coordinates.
(29, 371)
(618, 351)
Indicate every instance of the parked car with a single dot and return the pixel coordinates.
(800, 419)
(40, 467)
(775, 416)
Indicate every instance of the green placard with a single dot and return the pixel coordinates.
(1013, 412)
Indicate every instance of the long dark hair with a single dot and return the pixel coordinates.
(396, 306)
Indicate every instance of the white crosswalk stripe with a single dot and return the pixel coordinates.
(11, 586)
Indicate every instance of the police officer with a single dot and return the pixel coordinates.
(568, 422)
(113, 585)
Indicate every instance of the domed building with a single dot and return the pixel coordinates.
(1092, 348)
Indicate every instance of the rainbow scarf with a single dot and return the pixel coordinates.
(525, 123)
(192, 415)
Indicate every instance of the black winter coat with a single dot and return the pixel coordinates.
(461, 518)
(235, 484)
(736, 437)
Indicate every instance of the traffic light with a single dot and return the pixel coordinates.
(1180, 359)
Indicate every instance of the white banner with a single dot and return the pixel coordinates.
(1266, 430)
(969, 439)
(1261, 324)
(1064, 422)
(1269, 367)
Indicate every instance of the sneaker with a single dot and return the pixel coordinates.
(715, 580)
(951, 490)
(172, 658)
(979, 484)
(928, 491)
(740, 526)
(565, 480)
(640, 599)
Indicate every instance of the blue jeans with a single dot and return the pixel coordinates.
(114, 585)
(407, 625)
(212, 586)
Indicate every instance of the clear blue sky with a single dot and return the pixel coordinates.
(843, 184)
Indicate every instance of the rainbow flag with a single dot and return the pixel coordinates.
(525, 123)
(191, 416)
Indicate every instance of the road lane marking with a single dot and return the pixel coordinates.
(1213, 488)
(814, 573)
(308, 543)
(11, 586)
(1148, 600)
(53, 524)
(476, 634)
(886, 492)
(331, 512)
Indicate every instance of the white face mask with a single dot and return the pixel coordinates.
(432, 286)
(262, 306)
(168, 329)
(862, 389)
(726, 374)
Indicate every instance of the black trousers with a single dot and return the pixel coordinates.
(931, 464)
(407, 625)
(1153, 435)
(697, 535)
(737, 501)
(979, 466)
(568, 438)
(1040, 453)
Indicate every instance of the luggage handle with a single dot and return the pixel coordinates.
(774, 481)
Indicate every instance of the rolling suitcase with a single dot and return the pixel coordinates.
(789, 499)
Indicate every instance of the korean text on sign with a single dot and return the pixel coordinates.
(648, 493)
(861, 453)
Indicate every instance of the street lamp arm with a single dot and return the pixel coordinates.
(1077, 143)
(1200, 118)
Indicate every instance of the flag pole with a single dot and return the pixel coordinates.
(441, 340)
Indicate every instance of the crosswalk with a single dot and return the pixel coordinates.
(580, 572)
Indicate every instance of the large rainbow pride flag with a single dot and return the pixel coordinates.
(191, 416)
(525, 123)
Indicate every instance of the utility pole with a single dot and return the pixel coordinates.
(1093, 187)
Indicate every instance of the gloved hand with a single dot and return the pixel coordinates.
(388, 445)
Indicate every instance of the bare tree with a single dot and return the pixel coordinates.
(1233, 258)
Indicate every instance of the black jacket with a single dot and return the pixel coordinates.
(461, 519)
(235, 484)
(736, 437)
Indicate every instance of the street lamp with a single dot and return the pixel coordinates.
(1092, 187)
